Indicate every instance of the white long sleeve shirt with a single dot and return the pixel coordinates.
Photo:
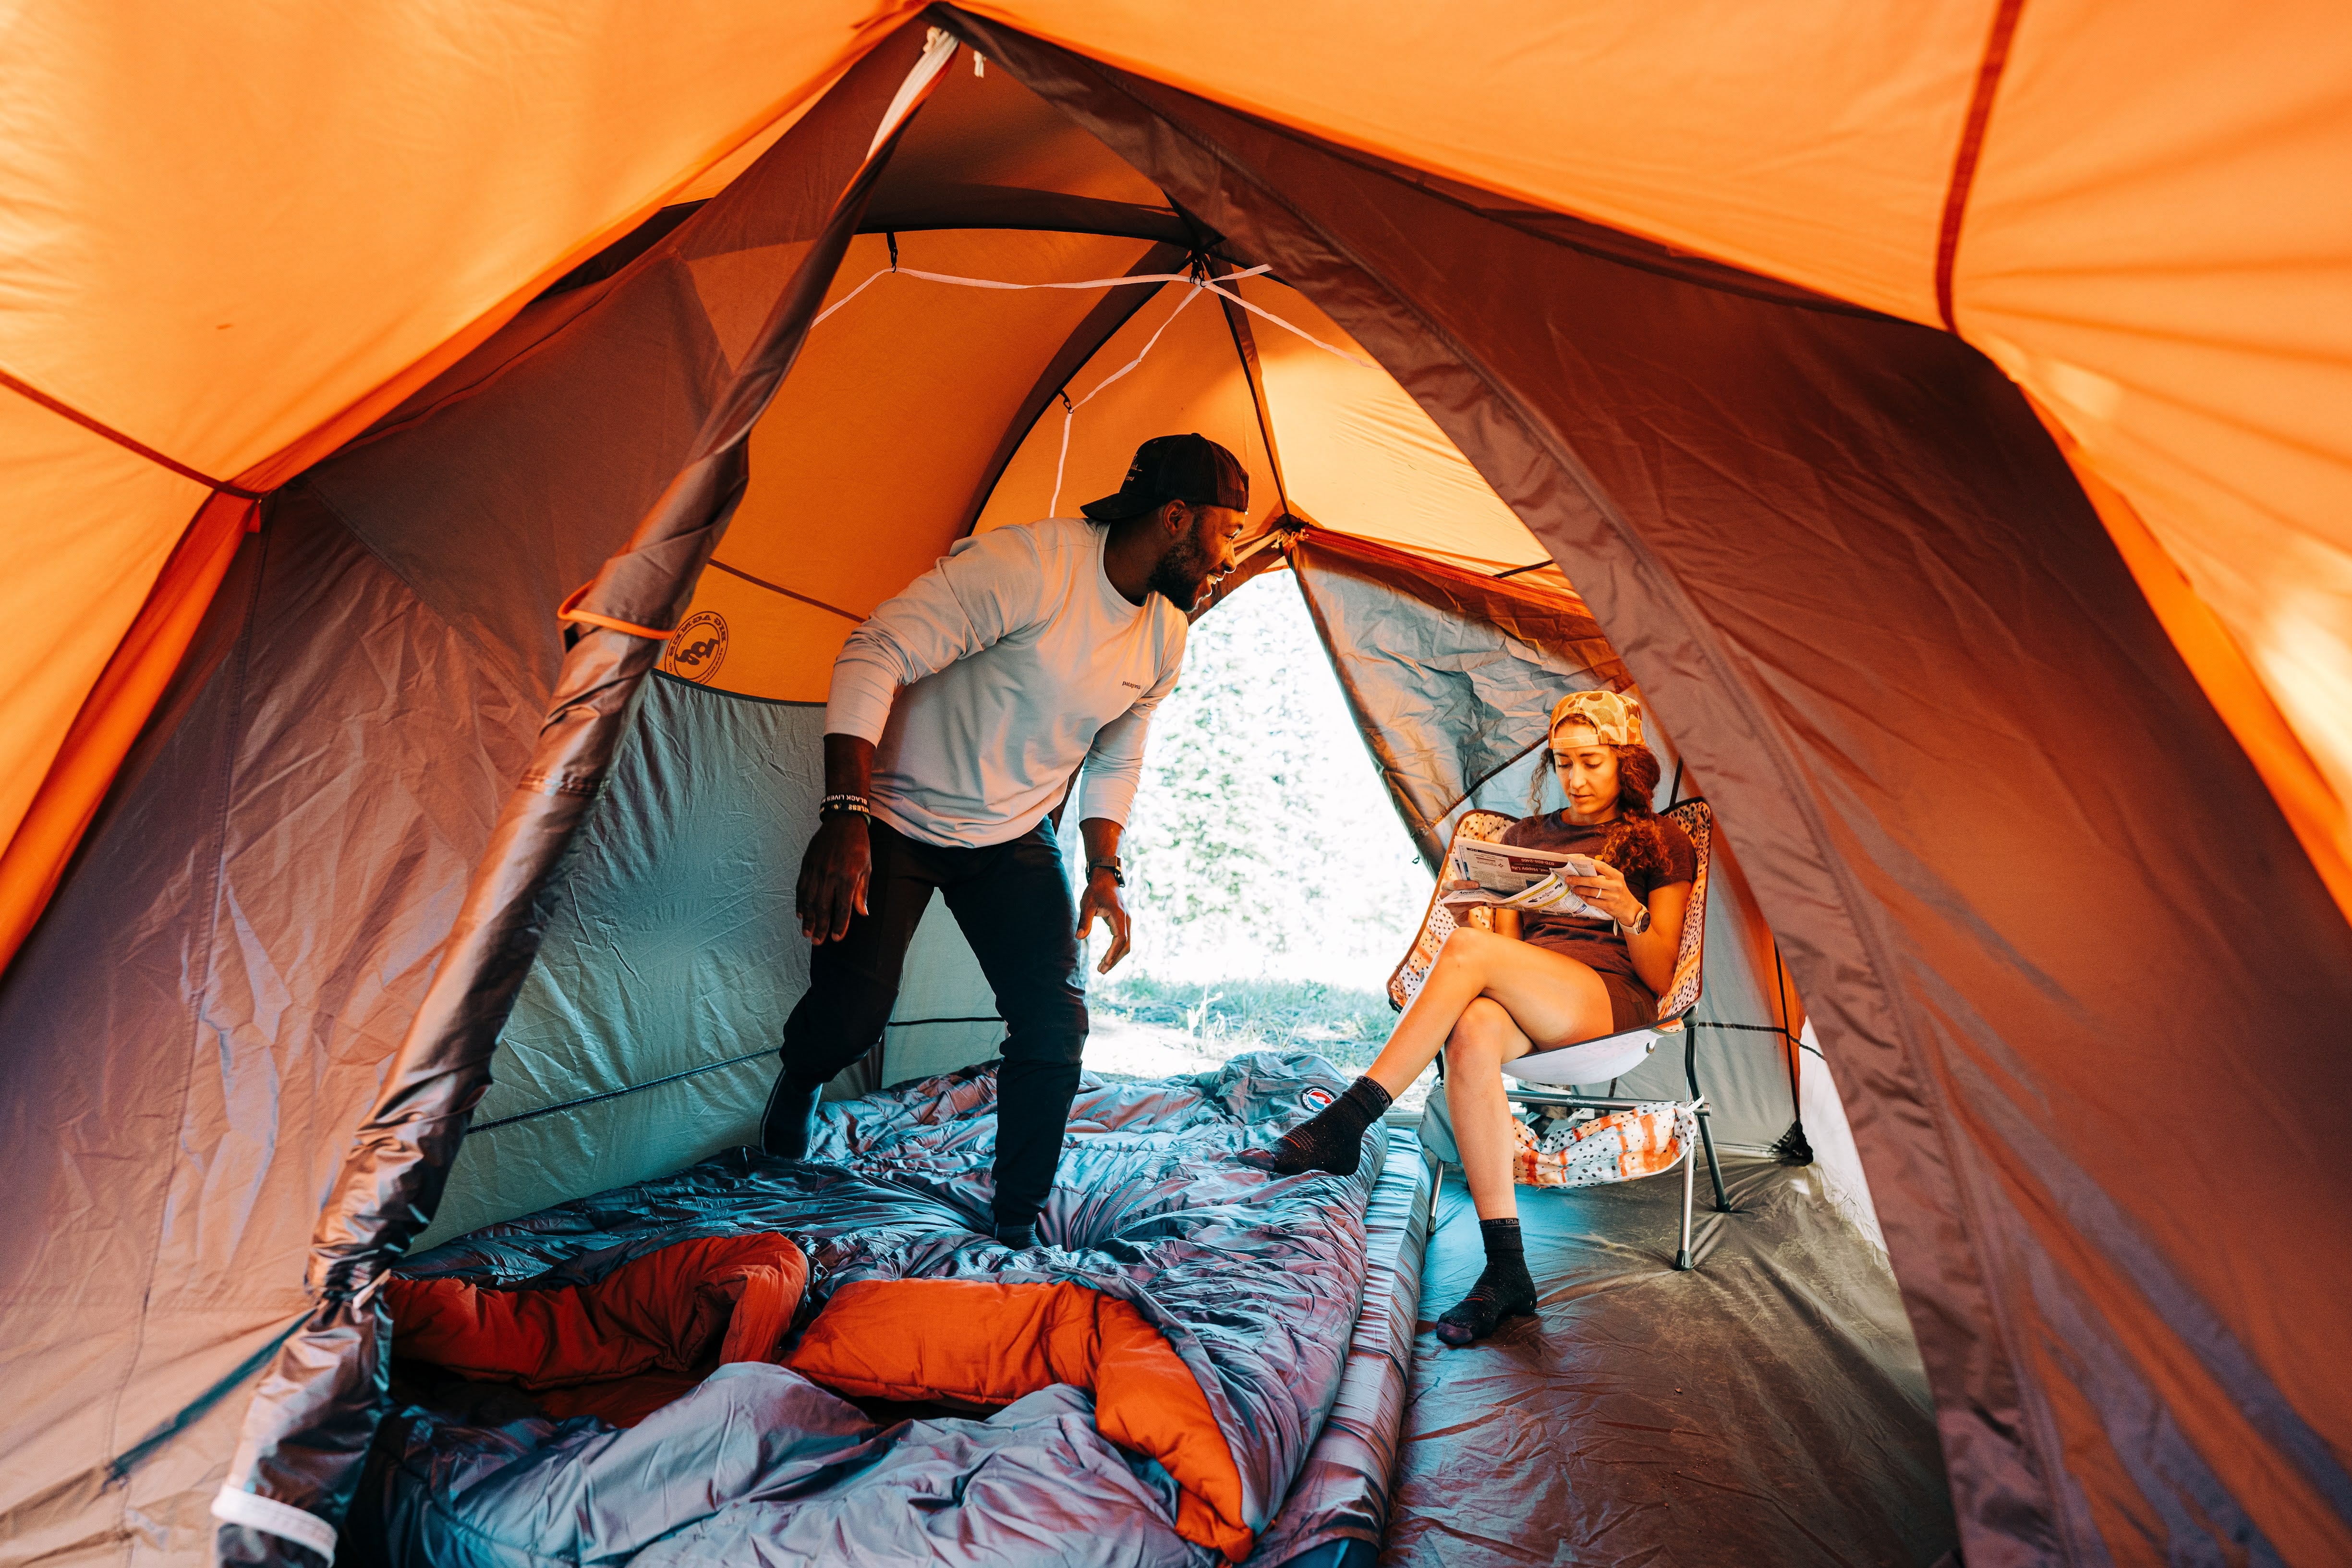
(999, 671)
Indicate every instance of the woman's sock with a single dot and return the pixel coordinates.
(1333, 1137)
(1503, 1290)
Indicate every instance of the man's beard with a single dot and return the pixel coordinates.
(1183, 575)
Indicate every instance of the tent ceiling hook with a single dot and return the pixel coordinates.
(891, 239)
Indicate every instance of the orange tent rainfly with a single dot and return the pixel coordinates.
(448, 445)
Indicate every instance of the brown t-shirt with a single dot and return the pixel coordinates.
(1595, 941)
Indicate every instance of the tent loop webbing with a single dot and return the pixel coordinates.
(1195, 275)
(1070, 410)
(1215, 285)
(64, 410)
(1964, 163)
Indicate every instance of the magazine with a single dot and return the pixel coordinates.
(1516, 877)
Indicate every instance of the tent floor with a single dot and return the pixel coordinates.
(1766, 1408)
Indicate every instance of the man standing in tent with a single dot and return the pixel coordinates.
(958, 714)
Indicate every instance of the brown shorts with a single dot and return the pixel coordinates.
(1631, 1007)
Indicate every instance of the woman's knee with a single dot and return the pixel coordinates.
(1465, 946)
(1480, 1034)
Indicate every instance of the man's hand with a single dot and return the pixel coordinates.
(834, 874)
(1102, 899)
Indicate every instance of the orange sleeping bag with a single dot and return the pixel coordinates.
(964, 1338)
(643, 1334)
(653, 1325)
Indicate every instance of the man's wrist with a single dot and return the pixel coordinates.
(1107, 865)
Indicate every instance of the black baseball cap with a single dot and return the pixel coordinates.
(1190, 469)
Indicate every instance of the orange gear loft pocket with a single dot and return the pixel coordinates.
(966, 1339)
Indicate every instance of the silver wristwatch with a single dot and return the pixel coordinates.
(1638, 924)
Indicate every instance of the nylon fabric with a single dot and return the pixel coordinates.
(1449, 675)
(311, 1418)
(137, 1329)
(1961, 1003)
(1767, 1406)
(1253, 1281)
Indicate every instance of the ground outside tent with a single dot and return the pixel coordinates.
(449, 447)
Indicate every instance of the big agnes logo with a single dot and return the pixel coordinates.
(698, 648)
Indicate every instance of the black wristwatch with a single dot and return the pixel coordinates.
(1110, 865)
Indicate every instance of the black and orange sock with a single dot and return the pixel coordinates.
(1333, 1137)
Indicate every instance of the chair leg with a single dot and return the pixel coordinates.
(1690, 1168)
(1699, 1102)
(1713, 1171)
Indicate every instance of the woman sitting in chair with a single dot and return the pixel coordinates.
(1492, 999)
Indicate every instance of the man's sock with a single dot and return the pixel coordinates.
(791, 1114)
(1333, 1137)
(1504, 1289)
(1019, 1237)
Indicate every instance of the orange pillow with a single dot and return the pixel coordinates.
(989, 1344)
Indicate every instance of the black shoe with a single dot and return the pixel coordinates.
(791, 1117)
(1019, 1237)
(1502, 1291)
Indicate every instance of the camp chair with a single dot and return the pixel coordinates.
(1547, 1079)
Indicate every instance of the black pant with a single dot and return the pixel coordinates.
(1013, 905)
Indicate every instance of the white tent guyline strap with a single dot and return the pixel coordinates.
(1198, 282)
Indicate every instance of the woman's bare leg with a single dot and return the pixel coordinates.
(1541, 996)
(1483, 1041)
(1551, 998)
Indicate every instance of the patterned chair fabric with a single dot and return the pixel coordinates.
(1682, 993)
(1592, 1151)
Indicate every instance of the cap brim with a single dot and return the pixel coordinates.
(1117, 508)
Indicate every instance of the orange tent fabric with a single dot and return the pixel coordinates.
(220, 294)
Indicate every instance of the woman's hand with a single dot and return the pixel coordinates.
(1606, 891)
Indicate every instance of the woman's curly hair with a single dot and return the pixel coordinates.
(1633, 844)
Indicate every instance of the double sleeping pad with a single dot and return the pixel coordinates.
(767, 1360)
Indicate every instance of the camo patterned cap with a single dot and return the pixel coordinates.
(1615, 716)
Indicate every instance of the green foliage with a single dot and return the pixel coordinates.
(1261, 842)
(1346, 1024)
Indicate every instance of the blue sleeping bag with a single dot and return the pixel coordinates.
(1160, 1200)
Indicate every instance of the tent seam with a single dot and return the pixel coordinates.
(1980, 1230)
(780, 588)
(1971, 148)
(1245, 350)
(66, 411)
(722, 691)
